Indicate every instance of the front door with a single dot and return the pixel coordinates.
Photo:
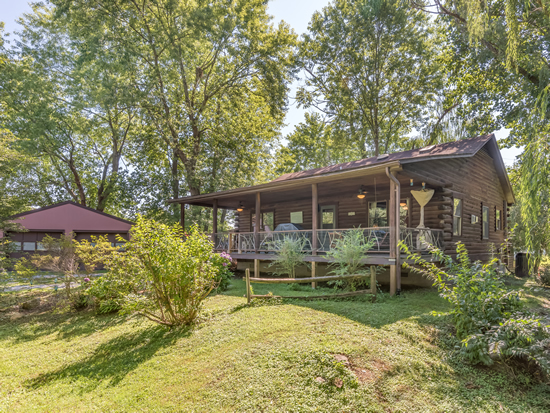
(328, 217)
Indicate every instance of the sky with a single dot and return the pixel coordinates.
(296, 13)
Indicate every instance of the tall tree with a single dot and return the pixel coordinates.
(71, 112)
(311, 145)
(503, 44)
(371, 67)
(197, 63)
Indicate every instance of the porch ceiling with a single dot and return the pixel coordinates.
(335, 189)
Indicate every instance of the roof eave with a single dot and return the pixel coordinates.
(370, 169)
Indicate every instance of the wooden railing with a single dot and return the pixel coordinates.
(245, 242)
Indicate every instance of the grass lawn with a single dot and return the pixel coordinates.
(264, 357)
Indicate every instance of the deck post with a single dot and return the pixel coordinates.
(256, 268)
(247, 277)
(313, 273)
(314, 218)
(393, 245)
(373, 280)
(257, 222)
(214, 220)
(182, 216)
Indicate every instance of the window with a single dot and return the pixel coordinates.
(485, 223)
(498, 221)
(29, 246)
(457, 217)
(16, 245)
(40, 247)
(297, 217)
(267, 223)
(378, 214)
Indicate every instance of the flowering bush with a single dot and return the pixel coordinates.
(223, 262)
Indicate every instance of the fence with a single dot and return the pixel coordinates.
(371, 290)
(245, 242)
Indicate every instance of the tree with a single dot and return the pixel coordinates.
(11, 162)
(208, 72)
(503, 47)
(71, 112)
(311, 145)
(371, 67)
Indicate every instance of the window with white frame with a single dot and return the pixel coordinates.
(457, 217)
(485, 222)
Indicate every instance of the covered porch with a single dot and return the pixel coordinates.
(323, 206)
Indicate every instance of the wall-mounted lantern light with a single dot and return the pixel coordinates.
(423, 185)
(362, 193)
(240, 208)
(412, 182)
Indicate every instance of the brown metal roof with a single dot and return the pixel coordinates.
(457, 149)
(465, 147)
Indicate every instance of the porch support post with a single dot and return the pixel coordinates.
(182, 216)
(313, 270)
(257, 222)
(397, 235)
(214, 220)
(314, 218)
(393, 267)
(256, 268)
(395, 216)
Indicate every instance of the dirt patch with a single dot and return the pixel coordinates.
(369, 374)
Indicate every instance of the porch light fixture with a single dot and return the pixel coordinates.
(240, 208)
(362, 193)
(412, 182)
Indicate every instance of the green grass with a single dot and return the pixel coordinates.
(265, 357)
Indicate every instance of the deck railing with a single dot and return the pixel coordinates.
(416, 239)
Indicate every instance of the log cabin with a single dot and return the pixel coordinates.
(463, 188)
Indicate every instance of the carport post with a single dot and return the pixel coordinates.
(182, 216)
(214, 221)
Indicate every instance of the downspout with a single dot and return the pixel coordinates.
(397, 221)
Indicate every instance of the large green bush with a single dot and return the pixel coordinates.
(167, 276)
(484, 311)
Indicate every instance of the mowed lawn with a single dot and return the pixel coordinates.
(283, 356)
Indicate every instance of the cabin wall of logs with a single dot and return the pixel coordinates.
(474, 180)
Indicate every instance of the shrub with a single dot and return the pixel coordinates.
(484, 312)
(290, 254)
(169, 277)
(347, 256)
(108, 292)
(543, 277)
(25, 269)
(222, 262)
(61, 257)
(93, 253)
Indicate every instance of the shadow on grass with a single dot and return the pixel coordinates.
(419, 303)
(65, 326)
(113, 360)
